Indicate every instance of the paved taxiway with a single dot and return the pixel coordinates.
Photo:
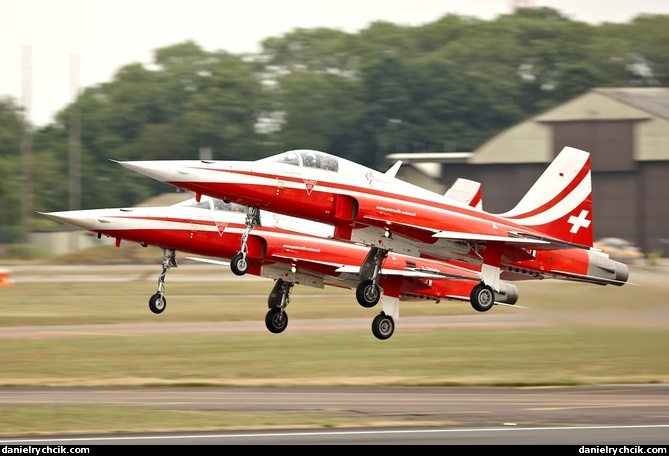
(587, 415)
(591, 415)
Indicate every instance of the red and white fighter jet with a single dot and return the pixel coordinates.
(276, 250)
(548, 235)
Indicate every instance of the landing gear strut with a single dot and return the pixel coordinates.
(368, 291)
(239, 265)
(276, 319)
(158, 302)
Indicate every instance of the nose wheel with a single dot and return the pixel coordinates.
(157, 303)
(240, 264)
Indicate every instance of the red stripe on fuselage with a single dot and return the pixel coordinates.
(253, 196)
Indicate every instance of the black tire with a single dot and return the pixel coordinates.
(276, 320)
(383, 326)
(367, 294)
(239, 266)
(482, 297)
(157, 303)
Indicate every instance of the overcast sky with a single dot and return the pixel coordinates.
(48, 48)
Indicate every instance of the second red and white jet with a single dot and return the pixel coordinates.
(277, 250)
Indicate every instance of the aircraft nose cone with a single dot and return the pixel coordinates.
(73, 218)
(150, 169)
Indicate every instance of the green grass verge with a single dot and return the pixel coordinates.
(588, 335)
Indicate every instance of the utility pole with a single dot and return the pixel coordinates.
(74, 200)
(75, 138)
(26, 153)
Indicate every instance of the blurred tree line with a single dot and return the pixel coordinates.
(445, 86)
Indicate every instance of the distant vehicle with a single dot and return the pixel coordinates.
(619, 249)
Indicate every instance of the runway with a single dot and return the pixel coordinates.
(601, 415)
(590, 415)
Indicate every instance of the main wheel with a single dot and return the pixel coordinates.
(239, 265)
(367, 294)
(157, 303)
(276, 320)
(482, 297)
(383, 326)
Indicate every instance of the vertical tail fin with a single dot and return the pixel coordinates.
(559, 204)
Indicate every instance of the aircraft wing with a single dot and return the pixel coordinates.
(519, 240)
(459, 236)
(303, 276)
(516, 239)
(299, 261)
(209, 260)
(407, 272)
(287, 258)
(412, 272)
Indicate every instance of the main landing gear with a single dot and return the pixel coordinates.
(158, 302)
(276, 319)
(239, 265)
(383, 326)
(368, 291)
(482, 297)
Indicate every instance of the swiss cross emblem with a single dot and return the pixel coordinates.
(310, 183)
(578, 222)
(221, 227)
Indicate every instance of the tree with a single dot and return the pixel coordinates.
(11, 131)
(449, 85)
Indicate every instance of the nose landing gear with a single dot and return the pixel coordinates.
(158, 302)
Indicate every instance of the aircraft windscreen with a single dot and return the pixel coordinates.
(220, 205)
(307, 158)
(213, 203)
(202, 204)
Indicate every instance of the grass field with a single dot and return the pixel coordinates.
(574, 334)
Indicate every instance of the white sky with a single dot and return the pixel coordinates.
(41, 41)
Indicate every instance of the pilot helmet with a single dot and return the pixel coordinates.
(310, 159)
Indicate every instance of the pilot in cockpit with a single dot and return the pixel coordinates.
(310, 160)
(290, 158)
